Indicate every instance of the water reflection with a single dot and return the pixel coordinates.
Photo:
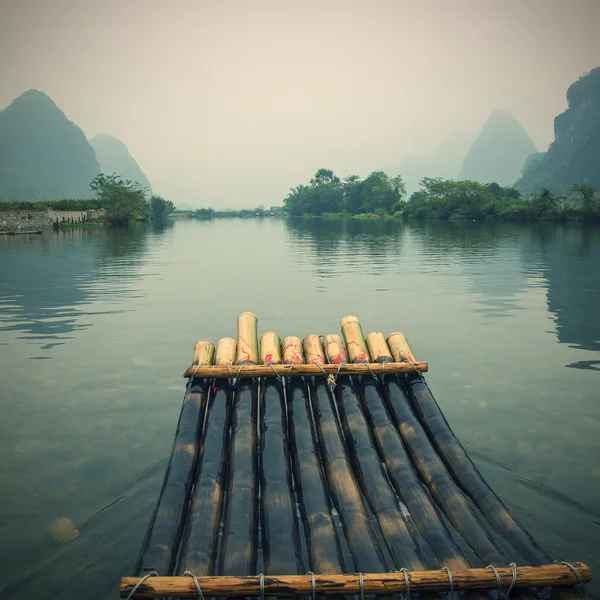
(501, 260)
(571, 257)
(87, 434)
(47, 281)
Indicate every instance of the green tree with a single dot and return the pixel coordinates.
(161, 208)
(123, 199)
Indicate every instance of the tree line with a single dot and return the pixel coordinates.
(377, 194)
(124, 201)
(437, 198)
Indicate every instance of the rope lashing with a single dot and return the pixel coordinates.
(262, 586)
(513, 566)
(584, 592)
(361, 582)
(194, 373)
(279, 377)
(371, 371)
(498, 581)
(314, 584)
(231, 377)
(134, 589)
(198, 589)
(447, 569)
(331, 379)
(237, 378)
(404, 570)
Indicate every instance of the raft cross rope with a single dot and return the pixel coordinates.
(325, 466)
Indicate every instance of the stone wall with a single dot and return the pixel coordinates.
(34, 220)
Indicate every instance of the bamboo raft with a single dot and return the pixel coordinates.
(325, 466)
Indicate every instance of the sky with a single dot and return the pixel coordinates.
(231, 103)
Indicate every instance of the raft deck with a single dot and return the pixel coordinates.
(325, 466)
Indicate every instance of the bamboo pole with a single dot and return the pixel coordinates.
(378, 348)
(344, 490)
(405, 480)
(305, 370)
(291, 349)
(400, 349)
(400, 470)
(432, 471)
(247, 342)
(201, 534)
(468, 477)
(335, 351)
(159, 549)
(240, 523)
(349, 584)
(270, 348)
(355, 341)
(204, 352)
(226, 352)
(404, 546)
(322, 543)
(313, 352)
(280, 535)
(323, 546)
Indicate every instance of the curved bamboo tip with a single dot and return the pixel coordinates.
(204, 352)
(401, 351)
(226, 349)
(355, 341)
(270, 348)
(247, 339)
(348, 319)
(378, 348)
(313, 352)
(250, 315)
(334, 348)
(291, 349)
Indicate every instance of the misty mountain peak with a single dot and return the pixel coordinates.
(43, 155)
(114, 157)
(499, 151)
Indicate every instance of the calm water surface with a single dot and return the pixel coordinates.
(96, 328)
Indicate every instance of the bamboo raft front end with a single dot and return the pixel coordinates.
(325, 466)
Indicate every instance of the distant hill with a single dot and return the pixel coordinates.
(43, 155)
(499, 151)
(574, 156)
(114, 157)
(445, 162)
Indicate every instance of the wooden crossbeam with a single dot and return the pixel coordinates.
(349, 584)
(298, 369)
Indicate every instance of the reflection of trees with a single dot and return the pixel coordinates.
(324, 242)
(439, 240)
(45, 279)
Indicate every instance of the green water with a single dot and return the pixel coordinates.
(97, 327)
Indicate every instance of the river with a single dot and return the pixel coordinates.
(97, 327)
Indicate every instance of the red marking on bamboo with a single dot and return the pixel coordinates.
(243, 350)
(362, 354)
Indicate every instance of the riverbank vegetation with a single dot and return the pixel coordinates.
(377, 194)
(447, 199)
(380, 195)
(124, 200)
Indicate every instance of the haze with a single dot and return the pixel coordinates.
(229, 104)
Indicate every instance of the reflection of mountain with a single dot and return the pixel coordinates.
(500, 260)
(43, 291)
(574, 294)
